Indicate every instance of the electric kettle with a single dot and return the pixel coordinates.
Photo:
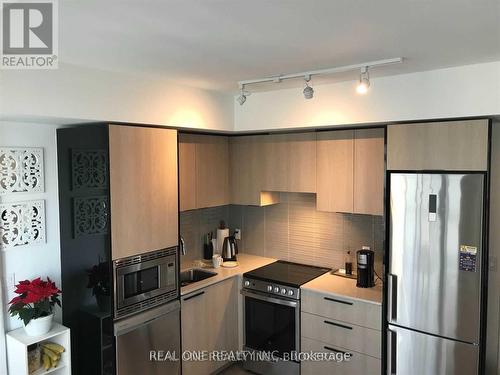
(229, 249)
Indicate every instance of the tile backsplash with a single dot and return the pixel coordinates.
(292, 230)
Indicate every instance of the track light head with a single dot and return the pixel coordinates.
(308, 90)
(242, 98)
(364, 81)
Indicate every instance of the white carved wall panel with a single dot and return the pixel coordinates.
(21, 170)
(22, 223)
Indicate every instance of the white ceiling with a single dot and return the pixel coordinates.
(215, 43)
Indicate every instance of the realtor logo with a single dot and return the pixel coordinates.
(29, 31)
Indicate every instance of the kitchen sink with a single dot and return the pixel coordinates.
(193, 275)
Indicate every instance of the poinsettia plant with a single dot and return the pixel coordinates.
(36, 299)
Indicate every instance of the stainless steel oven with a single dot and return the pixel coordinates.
(271, 325)
(145, 281)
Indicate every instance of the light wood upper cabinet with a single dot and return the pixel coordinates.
(143, 185)
(301, 163)
(335, 171)
(212, 171)
(451, 145)
(369, 171)
(209, 320)
(275, 162)
(187, 172)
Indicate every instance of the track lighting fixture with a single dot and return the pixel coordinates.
(362, 87)
(242, 98)
(364, 81)
(308, 90)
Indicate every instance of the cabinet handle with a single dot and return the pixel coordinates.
(338, 301)
(194, 295)
(337, 325)
(334, 350)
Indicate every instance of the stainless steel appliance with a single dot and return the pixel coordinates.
(272, 313)
(366, 272)
(229, 249)
(145, 281)
(434, 279)
(141, 338)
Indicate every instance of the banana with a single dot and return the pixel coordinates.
(55, 363)
(53, 356)
(46, 362)
(56, 348)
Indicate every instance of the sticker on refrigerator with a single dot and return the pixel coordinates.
(468, 255)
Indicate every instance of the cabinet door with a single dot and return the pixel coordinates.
(187, 172)
(209, 320)
(301, 163)
(335, 162)
(275, 162)
(246, 169)
(452, 145)
(212, 171)
(143, 184)
(369, 171)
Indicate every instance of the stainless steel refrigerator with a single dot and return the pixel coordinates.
(434, 273)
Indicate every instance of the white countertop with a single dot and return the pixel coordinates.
(246, 262)
(345, 287)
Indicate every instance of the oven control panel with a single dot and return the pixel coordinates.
(271, 288)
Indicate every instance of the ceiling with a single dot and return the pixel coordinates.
(213, 44)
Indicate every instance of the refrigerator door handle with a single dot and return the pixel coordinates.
(391, 352)
(393, 297)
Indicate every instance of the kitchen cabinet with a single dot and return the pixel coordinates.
(301, 162)
(350, 171)
(275, 162)
(203, 171)
(187, 172)
(247, 170)
(143, 185)
(450, 145)
(335, 171)
(209, 320)
(333, 324)
(369, 171)
(212, 174)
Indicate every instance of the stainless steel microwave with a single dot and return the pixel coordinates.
(145, 281)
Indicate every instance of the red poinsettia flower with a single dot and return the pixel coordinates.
(36, 299)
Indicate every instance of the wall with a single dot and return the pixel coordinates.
(293, 230)
(493, 333)
(87, 94)
(472, 90)
(27, 262)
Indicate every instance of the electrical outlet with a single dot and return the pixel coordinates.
(10, 280)
(237, 234)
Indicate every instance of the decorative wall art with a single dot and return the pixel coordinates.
(21, 170)
(90, 216)
(89, 169)
(22, 223)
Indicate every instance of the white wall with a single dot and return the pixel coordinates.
(27, 262)
(472, 90)
(88, 94)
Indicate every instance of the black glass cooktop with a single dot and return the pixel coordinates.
(287, 273)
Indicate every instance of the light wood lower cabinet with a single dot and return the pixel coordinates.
(356, 365)
(209, 321)
(143, 185)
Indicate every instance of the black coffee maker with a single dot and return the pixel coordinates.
(366, 272)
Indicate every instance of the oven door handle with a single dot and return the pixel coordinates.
(261, 297)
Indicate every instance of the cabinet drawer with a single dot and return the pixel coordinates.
(337, 333)
(340, 308)
(358, 364)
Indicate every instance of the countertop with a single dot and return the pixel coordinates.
(344, 287)
(246, 262)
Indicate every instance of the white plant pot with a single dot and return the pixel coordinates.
(40, 326)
